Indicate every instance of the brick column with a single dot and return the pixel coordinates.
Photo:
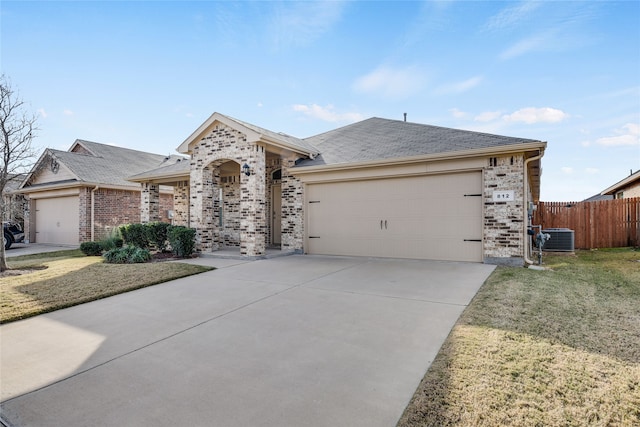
(253, 223)
(149, 203)
(503, 221)
(181, 204)
(292, 209)
(201, 209)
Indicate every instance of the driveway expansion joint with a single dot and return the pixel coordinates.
(385, 296)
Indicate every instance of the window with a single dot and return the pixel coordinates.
(276, 175)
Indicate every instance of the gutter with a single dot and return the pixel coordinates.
(525, 205)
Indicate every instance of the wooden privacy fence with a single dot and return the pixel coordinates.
(601, 224)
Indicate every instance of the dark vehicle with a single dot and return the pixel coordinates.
(12, 234)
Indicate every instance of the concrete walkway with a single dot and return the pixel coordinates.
(292, 341)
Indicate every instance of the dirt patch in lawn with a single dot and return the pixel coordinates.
(19, 272)
(543, 348)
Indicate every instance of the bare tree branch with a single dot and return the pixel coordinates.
(18, 127)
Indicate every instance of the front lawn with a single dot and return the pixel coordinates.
(542, 348)
(62, 279)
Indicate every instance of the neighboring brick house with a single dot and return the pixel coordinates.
(82, 194)
(626, 188)
(379, 187)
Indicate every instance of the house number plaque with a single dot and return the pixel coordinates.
(503, 196)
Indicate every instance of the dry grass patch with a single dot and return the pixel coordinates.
(69, 278)
(542, 348)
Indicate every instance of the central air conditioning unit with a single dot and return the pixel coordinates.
(562, 240)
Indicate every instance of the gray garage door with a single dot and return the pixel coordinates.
(435, 217)
(57, 220)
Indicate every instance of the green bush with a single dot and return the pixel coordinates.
(91, 248)
(157, 234)
(127, 255)
(182, 240)
(111, 243)
(135, 234)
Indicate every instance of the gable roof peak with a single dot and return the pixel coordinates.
(253, 133)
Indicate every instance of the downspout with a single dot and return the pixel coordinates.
(525, 192)
(93, 212)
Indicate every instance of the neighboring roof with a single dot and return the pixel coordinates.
(632, 179)
(179, 168)
(254, 133)
(598, 197)
(380, 139)
(13, 182)
(106, 165)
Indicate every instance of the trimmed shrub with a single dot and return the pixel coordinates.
(157, 234)
(127, 255)
(111, 243)
(91, 248)
(135, 234)
(182, 240)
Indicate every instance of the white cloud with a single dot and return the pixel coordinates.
(629, 134)
(458, 114)
(327, 114)
(533, 43)
(300, 23)
(42, 113)
(259, 105)
(592, 171)
(533, 115)
(566, 170)
(68, 113)
(391, 82)
(487, 116)
(511, 16)
(460, 87)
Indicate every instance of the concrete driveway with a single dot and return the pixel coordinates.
(292, 341)
(18, 249)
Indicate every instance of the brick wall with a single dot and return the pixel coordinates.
(292, 209)
(181, 204)
(113, 208)
(231, 211)
(504, 220)
(223, 144)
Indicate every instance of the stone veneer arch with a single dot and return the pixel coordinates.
(222, 144)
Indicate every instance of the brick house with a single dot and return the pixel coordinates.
(626, 188)
(82, 194)
(379, 187)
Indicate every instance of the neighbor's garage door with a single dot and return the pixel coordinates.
(435, 217)
(57, 220)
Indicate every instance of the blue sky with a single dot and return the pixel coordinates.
(145, 74)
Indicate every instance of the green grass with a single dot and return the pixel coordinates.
(542, 348)
(62, 279)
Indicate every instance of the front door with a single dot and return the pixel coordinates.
(276, 214)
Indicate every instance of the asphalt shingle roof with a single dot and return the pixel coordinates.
(305, 145)
(379, 139)
(110, 165)
(181, 167)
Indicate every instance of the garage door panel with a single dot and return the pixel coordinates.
(427, 217)
(57, 220)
